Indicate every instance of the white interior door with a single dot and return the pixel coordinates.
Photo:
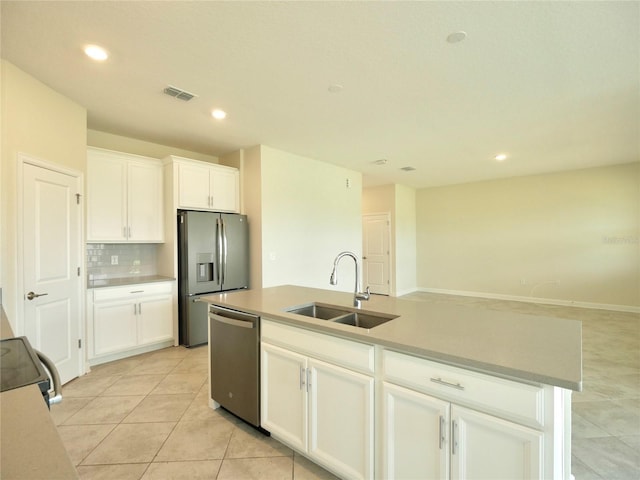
(51, 220)
(375, 252)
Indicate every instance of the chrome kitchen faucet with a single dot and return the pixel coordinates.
(333, 280)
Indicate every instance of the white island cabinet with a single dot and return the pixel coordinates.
(124, 198)
(128, 320)
(443, 422)
(317, 397)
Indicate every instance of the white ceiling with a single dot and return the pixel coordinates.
(555, 85)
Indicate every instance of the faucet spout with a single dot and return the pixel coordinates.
(333, 280)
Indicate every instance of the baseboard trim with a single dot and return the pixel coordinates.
(541, 300)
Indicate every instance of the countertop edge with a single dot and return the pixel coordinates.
(126, 281)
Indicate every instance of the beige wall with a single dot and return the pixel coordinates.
(570, 236)
(41, 123)
(119, 143)
(400, 202)
(405, 240)
(251, 186)
(308, 216)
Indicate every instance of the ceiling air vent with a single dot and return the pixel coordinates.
(178, 93)
(408, 169)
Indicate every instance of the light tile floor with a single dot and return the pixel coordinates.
(148, 416)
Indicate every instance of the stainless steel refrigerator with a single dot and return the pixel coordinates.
(213, 256)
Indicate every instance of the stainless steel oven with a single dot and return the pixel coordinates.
(22, 365)
(235, 362)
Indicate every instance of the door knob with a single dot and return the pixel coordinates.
(31, 295)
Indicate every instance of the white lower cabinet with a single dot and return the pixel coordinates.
(415, 435)
(127, 319)
(484, 446)
(114, 327)
(284, 401)
(429, 438)
(323, 410)
(432, 421)
(443, 422)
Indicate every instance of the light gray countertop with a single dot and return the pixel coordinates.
(30, 446)
(517, 346)
(121, 281)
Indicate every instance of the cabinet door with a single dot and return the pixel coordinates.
(283, 395)
(155, 320)
(145, 205)
(224, 190)
(415, 436)
(341, 419)
(488, 447)
(193, 186)
(106, 197)
(114, 327)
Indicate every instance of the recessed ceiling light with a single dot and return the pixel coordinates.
(408, 169)
(335, 88)
(500, 157)
(218, 114)
(456, 37)
(381, 161)
(96, 53)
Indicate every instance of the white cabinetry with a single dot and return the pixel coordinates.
(124, 321)
(483, 446)
(205, 186)
(312, 404)
(124, 198)
(429, 434)
(414, 435)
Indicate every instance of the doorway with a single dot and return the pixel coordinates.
(376, 234)
(50, 257)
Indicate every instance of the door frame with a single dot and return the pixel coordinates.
(391, 247)
(27, 159)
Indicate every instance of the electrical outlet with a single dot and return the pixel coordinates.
(523, 281)
(114, 259)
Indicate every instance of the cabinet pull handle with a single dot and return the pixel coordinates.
(124, 232)
(140, 308)
(439, 381)
(303, 372)
(441, 432)
(454, 437)
(308, 379)
(129, 231)
(136, 291)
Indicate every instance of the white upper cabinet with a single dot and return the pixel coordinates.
(205, 186)
(124, 198)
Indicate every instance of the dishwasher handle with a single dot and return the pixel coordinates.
(233, 317)
(232, 321)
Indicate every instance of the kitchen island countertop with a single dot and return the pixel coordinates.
(516, 346)
(30, 446)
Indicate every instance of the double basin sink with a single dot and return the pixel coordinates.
(341, 315)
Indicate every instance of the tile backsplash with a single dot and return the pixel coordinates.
(117, 260)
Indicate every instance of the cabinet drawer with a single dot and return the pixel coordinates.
(516, 401)
(349, 354)
(131, 291)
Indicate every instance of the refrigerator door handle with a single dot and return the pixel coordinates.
(224, 251)
(219, 249)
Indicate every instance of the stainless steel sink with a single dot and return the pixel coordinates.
(342, 315)
(363, 320)
(323, 312)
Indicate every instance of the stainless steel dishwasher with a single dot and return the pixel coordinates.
(234, 340)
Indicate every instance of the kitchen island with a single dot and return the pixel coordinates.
(495, 387)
